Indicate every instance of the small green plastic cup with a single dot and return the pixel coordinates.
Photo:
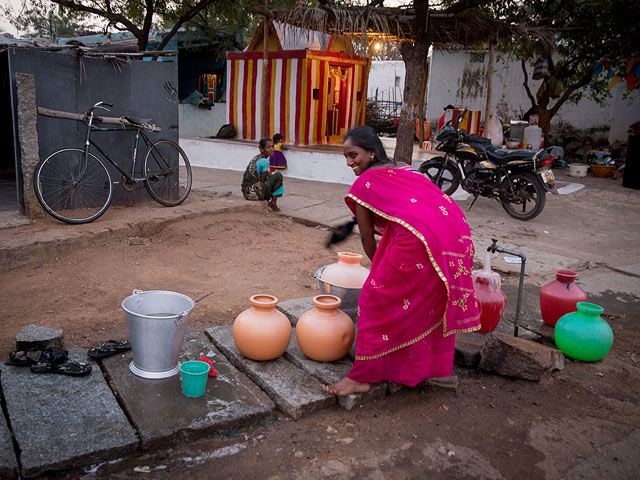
(194, 378)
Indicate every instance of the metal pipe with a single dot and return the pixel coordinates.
(495, 248)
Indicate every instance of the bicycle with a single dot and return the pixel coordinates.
(73, 185)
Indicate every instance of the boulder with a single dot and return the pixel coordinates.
(516, 357)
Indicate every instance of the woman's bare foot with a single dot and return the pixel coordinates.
(273, 207)
(346, 386)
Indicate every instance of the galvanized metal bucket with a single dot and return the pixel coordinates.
(157, 322)
(348, 295)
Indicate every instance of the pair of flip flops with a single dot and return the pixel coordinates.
(54, 360)
(109, 348)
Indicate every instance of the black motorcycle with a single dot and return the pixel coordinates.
(519, 180)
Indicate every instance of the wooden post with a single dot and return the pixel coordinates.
(265, 62)
(487, 108)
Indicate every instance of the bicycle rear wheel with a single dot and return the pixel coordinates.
(72, 190)
(168, 173)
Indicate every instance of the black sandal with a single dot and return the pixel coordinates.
(54, 360)
(108, 348)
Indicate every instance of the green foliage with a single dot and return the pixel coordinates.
(586, 32)
(232, 16)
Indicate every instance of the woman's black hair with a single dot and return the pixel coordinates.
(277, 138)
(263, 142)
(365, 137)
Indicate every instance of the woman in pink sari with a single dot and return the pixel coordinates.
(419, 292)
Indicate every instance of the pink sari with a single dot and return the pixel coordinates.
(419, 292)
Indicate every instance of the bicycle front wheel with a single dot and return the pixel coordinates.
(168, 173)
(72, 188)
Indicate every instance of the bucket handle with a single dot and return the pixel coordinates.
(136, 291)
(179, 318)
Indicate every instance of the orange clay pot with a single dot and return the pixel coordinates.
(262, 332)
(347, 272)
(324, 333)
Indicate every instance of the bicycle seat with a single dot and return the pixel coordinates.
(136, 120)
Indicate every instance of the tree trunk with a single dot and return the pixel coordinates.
(413, 62)
(414, 57)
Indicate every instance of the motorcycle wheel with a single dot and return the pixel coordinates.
(449, 179)
(526, 199)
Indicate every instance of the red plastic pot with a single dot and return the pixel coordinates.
(491, 302)
(560, 296)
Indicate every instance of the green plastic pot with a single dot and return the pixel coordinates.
(584, 335)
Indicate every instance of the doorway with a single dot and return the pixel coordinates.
(9, 201)
(337, 101)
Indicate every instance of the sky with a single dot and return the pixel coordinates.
(5, 26)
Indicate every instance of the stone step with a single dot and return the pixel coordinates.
(162, 414)
(330, 372)
(62, 422)
(8, 463)
(293, 390)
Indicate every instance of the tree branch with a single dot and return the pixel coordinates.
(584, 80)
(185, 17)
(526, 83)
(109, 15)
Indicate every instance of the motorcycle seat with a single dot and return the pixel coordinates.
(501, 157)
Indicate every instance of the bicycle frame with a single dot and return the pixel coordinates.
(127, 128)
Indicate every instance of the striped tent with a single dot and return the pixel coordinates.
(315, 86)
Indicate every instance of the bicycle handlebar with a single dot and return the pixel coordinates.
(102, 105)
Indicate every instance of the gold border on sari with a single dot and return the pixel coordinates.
(438, 270)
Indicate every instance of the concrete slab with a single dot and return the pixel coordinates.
(62, 422)
(37, 337)
(8, 462)
(629, 269)
(330, 372)
(296, 307)
(162, 414)
(293, 390)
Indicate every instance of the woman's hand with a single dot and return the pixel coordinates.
(264, 176)
(367, 231)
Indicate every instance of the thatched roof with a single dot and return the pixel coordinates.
(397, 24)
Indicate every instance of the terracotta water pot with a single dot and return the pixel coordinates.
(560, 296)
(262, 332)
(324, 333)
(347, 271)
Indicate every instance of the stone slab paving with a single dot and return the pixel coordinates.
(293, 390)
(162, 414)
(60, 422)
(293, 309)
(8, 463)
(330, 372)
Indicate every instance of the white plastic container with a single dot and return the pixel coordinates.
(578, 170)
(532, 137)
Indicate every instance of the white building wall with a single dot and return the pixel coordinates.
(387, 77)
(200, 122)
(458, 77)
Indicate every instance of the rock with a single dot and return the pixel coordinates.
(468, 347)
(449, 383)
(35, 337)
(516, 357)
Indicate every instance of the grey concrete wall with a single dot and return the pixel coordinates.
(66, 82)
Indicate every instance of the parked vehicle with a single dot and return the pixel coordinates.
(519, 180)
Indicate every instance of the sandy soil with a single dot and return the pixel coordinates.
(580, 423)
(219, 261)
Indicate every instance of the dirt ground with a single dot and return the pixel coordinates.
(583, 422)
